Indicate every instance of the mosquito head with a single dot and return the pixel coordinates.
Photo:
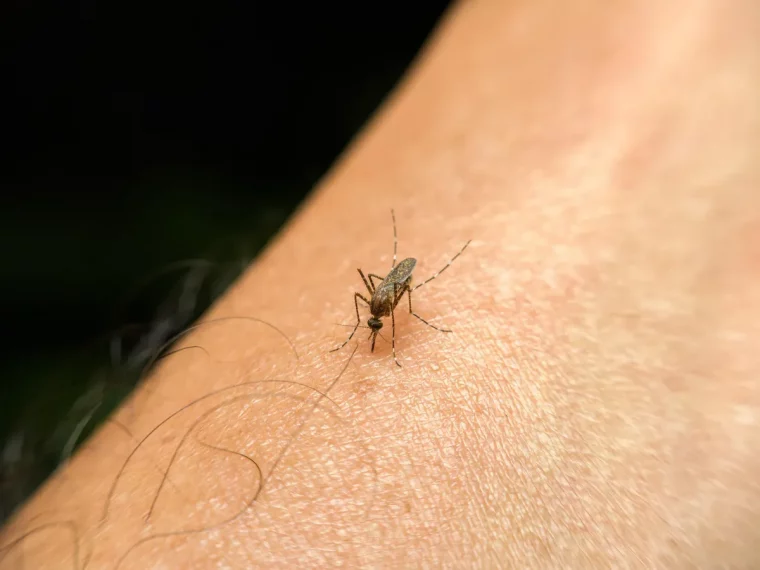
(374, 329)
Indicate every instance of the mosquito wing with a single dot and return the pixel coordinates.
(382, 300)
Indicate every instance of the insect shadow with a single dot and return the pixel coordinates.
(385, 296)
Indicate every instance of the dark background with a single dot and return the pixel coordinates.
(150, 151)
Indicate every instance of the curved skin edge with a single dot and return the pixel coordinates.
(597, 403)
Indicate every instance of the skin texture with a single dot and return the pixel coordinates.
(597, 404)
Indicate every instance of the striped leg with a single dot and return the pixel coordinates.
(444, 268)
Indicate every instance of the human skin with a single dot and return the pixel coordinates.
(596, 405)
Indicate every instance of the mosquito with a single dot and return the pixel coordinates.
(385, 296)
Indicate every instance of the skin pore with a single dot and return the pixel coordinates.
(597, 404)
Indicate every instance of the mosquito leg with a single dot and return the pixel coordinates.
(398, 296)
(445, 266)
(409, 294)
(357, 296)
(371, 289)
(393, 328)
(432, 326)
(395, 239)
(371, 275)
(393, 338)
